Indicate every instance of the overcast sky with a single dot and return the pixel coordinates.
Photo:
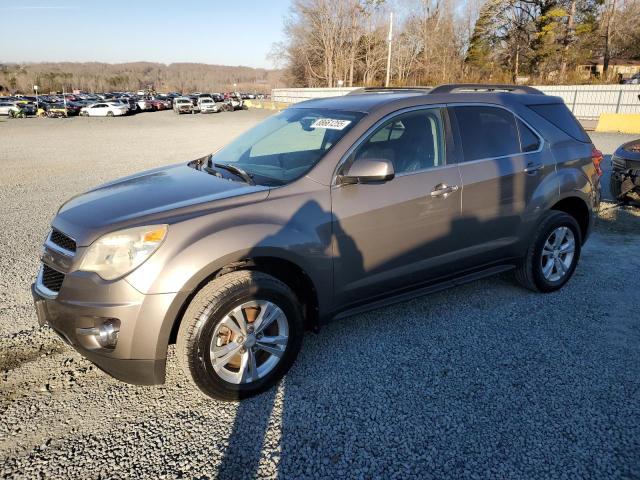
(226, 32)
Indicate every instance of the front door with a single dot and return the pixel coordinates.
(401, 232)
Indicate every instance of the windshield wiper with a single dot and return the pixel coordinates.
(236, 171)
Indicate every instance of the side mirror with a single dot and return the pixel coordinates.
(369, 170)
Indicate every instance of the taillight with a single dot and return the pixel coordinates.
(596, 158)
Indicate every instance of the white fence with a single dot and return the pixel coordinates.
(295, 95)
(589, 101)
(586, 102)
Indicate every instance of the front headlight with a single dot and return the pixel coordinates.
(115, 254)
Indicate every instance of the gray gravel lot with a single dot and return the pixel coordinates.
(484, 381)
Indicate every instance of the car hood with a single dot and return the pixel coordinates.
(154, 196)
(629, 151)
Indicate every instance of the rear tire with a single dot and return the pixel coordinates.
(109, 114)
(203, 327)
(531, 273)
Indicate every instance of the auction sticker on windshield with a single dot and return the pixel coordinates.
(330, 123)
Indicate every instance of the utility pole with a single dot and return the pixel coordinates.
(386, 82)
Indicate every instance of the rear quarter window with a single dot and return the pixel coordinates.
(559, 115)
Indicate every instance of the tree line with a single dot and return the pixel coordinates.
(344, 42)
(105, 77)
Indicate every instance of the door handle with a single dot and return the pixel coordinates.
(443, 190)
(533, 168)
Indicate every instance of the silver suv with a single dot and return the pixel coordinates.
(331, 207)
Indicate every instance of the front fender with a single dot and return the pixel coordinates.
(191, 261)
(196, 262)
(293, 224)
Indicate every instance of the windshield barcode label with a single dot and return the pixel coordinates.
(330, 123)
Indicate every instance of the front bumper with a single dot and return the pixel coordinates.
(83, 303)
(627, 173)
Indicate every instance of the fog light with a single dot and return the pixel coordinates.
(109, 333)
(106, 334)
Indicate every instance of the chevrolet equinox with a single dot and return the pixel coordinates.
(331, 207)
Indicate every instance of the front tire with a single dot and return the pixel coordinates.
(240, 334)
(553, 254)
(109, 114)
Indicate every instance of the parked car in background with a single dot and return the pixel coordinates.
(26, 106)
(625, 177)
(157, 104)
(131, 103)
(235, 102)
(17, 112)
(52, 110)
(7, 107)
(144, 105)
(73, 108)
(207, 105)
(166, 100)
(104, 109)
(634, 80)
(182, 105)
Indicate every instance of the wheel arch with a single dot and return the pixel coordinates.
(284, 269)
(579, 210)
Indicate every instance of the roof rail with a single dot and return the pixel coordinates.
(480, 87)
(362, 90)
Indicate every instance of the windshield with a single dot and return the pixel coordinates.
(286, 146)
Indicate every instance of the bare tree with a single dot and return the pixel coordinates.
(100, 77)
(607, 34)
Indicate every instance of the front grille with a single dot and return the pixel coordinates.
(633, 164)
(62, 240)
(52, 279)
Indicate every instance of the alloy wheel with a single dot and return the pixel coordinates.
(249, 342)
(558, 253)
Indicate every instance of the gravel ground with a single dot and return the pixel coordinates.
(484, 381)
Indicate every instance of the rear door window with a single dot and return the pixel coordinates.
(486, 132)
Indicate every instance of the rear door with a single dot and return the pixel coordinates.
(401, 232)
(501, 168)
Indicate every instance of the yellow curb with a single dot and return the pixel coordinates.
(266, 104)
(619, 122)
